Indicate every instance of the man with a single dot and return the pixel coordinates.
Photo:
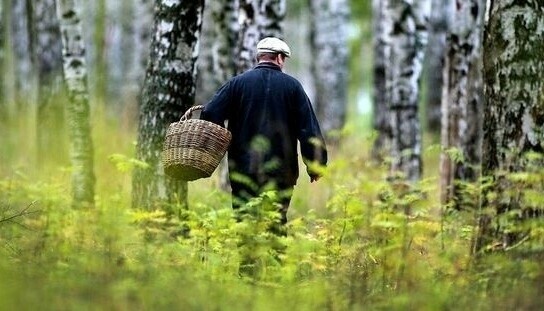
(267, 112)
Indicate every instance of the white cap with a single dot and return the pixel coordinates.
(273, 45)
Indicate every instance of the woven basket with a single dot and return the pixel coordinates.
(193, 148)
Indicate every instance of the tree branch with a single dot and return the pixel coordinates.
(21, 213)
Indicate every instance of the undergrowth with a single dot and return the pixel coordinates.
(353, 242)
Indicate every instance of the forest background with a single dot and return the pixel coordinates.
(361, 238)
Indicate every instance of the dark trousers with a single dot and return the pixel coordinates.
(242, 193)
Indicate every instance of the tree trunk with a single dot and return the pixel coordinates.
(436, 51)
(329, 62)
(140, 38)
(169, 90)
(217, 58)
(49, 60)
(7, 82)
(407, 33)
(22, 51)
(462, 103)
(220, 34)
(119, 54)
(513, 116)
(75, 75)
(258, 19)
(100, 77)
(381, 118)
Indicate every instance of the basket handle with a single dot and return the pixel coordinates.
(189, 112)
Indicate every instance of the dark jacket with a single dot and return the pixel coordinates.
(267, 112)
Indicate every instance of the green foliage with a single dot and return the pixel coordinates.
(353, 241)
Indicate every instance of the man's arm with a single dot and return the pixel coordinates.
(216, 110)
(312, 143)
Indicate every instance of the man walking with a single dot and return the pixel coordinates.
(268, 112)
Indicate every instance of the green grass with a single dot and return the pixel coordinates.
(350, 245)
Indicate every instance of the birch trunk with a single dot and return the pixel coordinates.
(140, 42)
(436, 51)
(217, 60)
(407, 35)
(75, 75)
(100, 75)
(49, 61)
(7, 82)
(381, 118)
(513, 115)
(258, 19)
(462, 103)
(169, 90)
(329, 62)
(22, 51)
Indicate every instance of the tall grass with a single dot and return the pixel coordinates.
(351, 244)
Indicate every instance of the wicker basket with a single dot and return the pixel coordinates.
(193, 148)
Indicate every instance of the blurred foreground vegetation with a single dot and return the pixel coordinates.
(350, 244)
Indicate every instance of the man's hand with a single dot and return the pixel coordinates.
(314, 177)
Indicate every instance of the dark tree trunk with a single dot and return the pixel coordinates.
(513, 118)
(169, 90)
(48, 58)
(381, 118)
(436, 51)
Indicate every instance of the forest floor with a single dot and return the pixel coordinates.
(354, 241)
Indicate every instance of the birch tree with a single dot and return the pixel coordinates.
(438, 28)
(462, 104)
(216, 63)
(119, 53)
(141, 40)
(22, 50)
(100, 76)
(7, 81)
(258, 19)
(513, 118)
(329, 61)
(407, 36)
(49, 63)
(75, 75)
(169, 90)
(380, 119)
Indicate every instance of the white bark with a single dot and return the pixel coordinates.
(168, 91)
(258, 19)
(75, 76)
(216, 63)
(22, 48)
(407, 35)
(329, 44)
(462, 100)
(141, 41)
(513, 115)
